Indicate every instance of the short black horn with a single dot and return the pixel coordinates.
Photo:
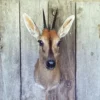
(54, 21)
(44, 21)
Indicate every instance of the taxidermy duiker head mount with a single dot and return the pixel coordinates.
(49, 40)
(47, 72)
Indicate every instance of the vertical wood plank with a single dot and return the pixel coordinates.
(29, 48)
(9, 50)
(66, 90)
(88, 51)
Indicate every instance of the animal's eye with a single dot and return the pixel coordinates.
(58, 44)
(40, 42)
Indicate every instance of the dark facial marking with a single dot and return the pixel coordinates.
(50, 47)
(51, 61)
(50, 53)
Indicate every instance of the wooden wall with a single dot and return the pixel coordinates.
(9, 50)
(19, 50)
(88, 51)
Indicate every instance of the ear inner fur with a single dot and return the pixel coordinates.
(29, 22)
(65, 24)
(65, 28)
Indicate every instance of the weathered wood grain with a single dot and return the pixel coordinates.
(9, 50)
(66, 90)
(88, 51)
(29, 48)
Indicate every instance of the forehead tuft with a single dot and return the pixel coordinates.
(45, 33)
(53, 34)
(49, 34)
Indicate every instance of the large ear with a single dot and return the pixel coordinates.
(65, 28)
(32, 28)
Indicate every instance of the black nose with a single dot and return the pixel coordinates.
(50, 64)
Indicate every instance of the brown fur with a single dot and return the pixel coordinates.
(48, 78)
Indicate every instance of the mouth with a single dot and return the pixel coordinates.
(50, 68)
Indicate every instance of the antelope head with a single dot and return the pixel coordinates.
(49, 40)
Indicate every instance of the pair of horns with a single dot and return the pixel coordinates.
(54, 21)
